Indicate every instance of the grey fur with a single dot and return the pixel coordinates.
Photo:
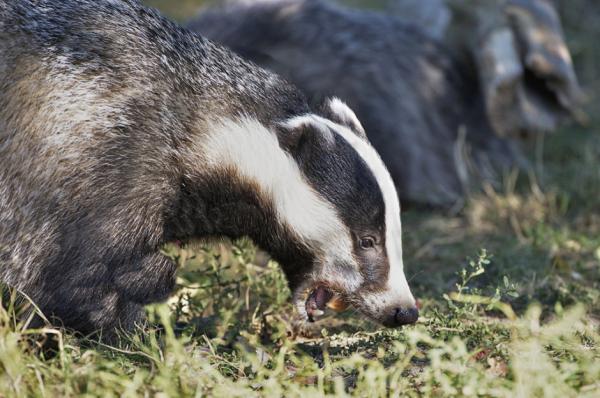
(101, 105)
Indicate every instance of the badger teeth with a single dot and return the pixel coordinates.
(317, 301)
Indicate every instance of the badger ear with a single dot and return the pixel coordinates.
(306, 129)
(337, 111)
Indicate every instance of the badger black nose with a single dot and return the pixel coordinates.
(406, 316)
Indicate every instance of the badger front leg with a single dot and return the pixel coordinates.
(150, 279)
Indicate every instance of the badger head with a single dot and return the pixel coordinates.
(354, 232)
(326, 207)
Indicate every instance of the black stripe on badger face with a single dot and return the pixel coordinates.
(342, 167)
(338, 173)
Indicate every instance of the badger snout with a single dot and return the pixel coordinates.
(401, 316)
(391, 308)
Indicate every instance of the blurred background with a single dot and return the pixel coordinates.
(580, 18)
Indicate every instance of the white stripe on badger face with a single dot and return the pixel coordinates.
(398, 291)
(254, 152)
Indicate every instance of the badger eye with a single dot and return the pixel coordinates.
(367, 243)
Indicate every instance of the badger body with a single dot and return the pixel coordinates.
(121, 131)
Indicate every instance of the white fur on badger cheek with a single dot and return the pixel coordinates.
(398, 291)
(254, 152)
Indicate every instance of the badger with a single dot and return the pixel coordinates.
(121, 131)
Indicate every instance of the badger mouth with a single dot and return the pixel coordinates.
(322, 297)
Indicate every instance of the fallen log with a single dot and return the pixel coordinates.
(518, 52)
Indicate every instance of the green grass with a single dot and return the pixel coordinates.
(509, 288)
